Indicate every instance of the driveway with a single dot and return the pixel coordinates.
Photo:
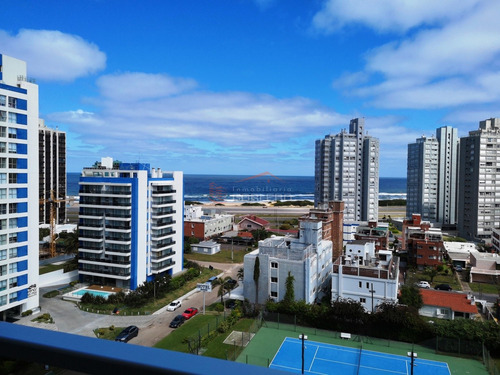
(70, 319)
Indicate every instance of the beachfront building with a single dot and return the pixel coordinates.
(423, 243)
(130, 224)
(252, 222)
(307, 258)
(52, 171)
(479, 193)
(374, 231)
(204, 225)
(432, 176)
(347, 169)
(445, 305)
(18, 189)
(366, 275)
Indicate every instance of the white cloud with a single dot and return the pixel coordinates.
(52, 55)
(388, 15)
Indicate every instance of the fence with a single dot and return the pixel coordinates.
(490, 363)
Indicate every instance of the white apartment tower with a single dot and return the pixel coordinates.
(18, 189)
(52, 171)
(479, 192)
(347, 169)
(130, 223)
(432, 177)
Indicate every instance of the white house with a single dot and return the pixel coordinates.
(364, 275)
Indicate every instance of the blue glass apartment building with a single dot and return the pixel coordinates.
(18, 189)
(130, 224)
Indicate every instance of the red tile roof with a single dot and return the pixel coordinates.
(455, 301)
(245, 235)
(256, 219)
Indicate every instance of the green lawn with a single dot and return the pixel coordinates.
(223, 256)
(50, 268)
(451, 279)
(217, 349)
(485, 288)
(197, 325)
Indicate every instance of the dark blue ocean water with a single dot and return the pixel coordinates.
(205, 188)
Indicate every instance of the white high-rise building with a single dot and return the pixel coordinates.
(131, 224)
(18, 189)
(347, 169)
(479, 192)
(432, 177)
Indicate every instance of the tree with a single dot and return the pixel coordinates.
(224, 288)
(432, 272)
(289, 297)
(256, 275)
(240, 274)
(410, 296)
(71, 242)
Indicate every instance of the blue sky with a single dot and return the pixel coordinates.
(247, 86)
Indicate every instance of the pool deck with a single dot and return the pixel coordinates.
(71, 296)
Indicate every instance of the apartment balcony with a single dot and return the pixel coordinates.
(100, 190)
(162, 236)
(160, 224)
(98, 261)
(162, 266)
(90, 238)
(162, 190)
(159, 213)
(162, 246)
(158, 256)
(93, 270)
(91, 249)
(118, 240)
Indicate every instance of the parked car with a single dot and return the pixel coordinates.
(212, 280)
(459, 268)
(177, 321)
(443, 287)
(127, 334)
(424, 284)
(189, 313)
(174, 305)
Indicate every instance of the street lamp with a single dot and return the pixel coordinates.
(412, 355)
(303, 338)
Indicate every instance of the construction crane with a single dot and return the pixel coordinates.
(53, 204)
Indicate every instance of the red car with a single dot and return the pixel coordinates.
(192, 311)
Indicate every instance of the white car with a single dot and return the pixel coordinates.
(424, 284)
(174, 305)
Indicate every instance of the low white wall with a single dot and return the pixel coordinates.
(57, 278)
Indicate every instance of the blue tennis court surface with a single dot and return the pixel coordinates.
(328, 359)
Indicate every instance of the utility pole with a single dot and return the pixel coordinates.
(372, 291)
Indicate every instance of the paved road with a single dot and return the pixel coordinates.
(69, 318)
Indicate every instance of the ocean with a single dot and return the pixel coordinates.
(264, 187)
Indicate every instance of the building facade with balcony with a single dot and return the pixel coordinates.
(52, 172)
(307, 258)
(130, 224)
(423, 243)
(205, 225)
(366, 275)
(18, 189)
(347, 169)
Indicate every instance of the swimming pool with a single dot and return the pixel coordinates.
(81, 292)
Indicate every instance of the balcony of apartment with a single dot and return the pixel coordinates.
(158, 202)
(161, 190)
(92, 259)
(94, 248)
(162, 266)
(115, 238)
(162, 245)
(117, 225)
(113, 272)
(159, 213)
(91, 236)
(105, 190)
(105, 202)
(158, 256)
(370, 271)
(158, 235)
(89, 223)
(162, 223)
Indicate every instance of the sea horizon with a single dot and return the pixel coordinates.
(259, 188)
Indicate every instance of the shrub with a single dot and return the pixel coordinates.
(51, 294)
(111, 327)
(27, 313)
(219, 307)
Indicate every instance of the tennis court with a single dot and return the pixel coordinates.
(329, 359)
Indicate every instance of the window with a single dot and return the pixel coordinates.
(13, 297)
(3, 131)
(13, 253)
(12, 102)
(13, 223)
(12, 208)
(3, 209)
(13, 267)
(3, 300)
(12, 133)
(3, 270)
(13, 193)
(3, 285)
(12, 237)
(3, 100)
(3, 254)
(360, 284)
(13, 178)
(274, 279)
(12, 148)
(3, 239)
(13, 282)
(3, 162)
(13, 118)
(3, 147)
(362, 300)
(274, 264)
(3, 116)
(274, 294)
(3, 192)
(3, 224)
(367, 285)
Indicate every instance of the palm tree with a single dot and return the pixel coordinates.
(240, 274)
(224, 288)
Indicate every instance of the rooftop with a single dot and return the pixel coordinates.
(455, 301)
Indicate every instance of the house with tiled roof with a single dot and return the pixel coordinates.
(252, 222)
(447, 305)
